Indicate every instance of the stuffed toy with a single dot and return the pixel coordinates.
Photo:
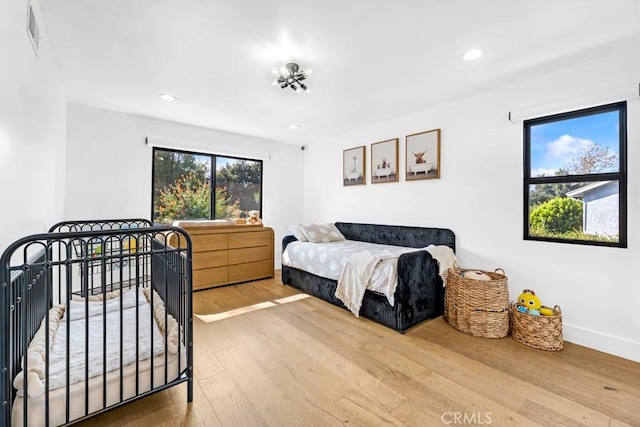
(528, 302)
(475, 275)
(254, 218)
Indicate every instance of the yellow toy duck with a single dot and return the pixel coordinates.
(528, 302)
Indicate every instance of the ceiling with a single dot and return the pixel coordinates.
(372, 60)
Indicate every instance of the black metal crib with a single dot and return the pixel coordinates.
(109, 273)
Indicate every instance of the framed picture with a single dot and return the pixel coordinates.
(384, 161)
(353, 166)
(423, 155)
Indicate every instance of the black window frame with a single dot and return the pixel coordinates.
(620, 176)
(212, 182)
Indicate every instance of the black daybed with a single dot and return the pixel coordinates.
(419, 294)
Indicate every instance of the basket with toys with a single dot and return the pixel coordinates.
(477, 302)
(534, 324)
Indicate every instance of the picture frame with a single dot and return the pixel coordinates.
(422, 155)
(384, 161)
(354, 166)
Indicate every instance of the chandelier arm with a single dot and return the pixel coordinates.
(294, 76)
(298, 81)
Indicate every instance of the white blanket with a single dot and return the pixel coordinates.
(57, 356)
(356, 275)
(445, 257)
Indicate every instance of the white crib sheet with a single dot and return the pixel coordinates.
(57, 356)
(153, 362)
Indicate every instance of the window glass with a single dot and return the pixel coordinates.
(575, 210)
(183, 183)
(575, 177)
(237, 187)
(582, 145)
(181, 186)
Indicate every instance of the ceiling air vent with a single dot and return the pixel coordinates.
(33, 30)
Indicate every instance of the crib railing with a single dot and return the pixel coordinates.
(101, 224)
(39, 271)
(23, 303)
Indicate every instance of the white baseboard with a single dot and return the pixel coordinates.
(617, 346)
(278, 264)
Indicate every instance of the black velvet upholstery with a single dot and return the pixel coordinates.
(419, 294)
(397, 235)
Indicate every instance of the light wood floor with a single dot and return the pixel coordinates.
(307, 362)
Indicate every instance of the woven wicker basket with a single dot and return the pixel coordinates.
(479, 308)
(543, 332)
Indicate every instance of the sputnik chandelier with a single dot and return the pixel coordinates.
(291, 76)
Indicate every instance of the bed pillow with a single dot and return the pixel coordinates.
(322, 233)
(296, 230)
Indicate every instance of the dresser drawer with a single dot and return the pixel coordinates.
(210, 277)
(250, 239)
(210, 259)
(258, 253)
(250, 271)
(210, 242)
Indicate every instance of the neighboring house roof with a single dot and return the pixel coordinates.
(579, 192)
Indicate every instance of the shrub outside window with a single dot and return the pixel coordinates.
(575, 177)
(185, 188)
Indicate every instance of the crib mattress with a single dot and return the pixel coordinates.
(79, 389)
(136, 342)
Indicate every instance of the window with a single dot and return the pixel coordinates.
(185, 188)
(575, 177)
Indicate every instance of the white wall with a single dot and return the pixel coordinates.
(479, 197)
(32, 130)
(109, 166)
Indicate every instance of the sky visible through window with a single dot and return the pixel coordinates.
(555, 144)
(223, 161)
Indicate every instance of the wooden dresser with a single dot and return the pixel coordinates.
(225, 254)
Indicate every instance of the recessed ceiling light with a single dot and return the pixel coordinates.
(472, 54)
(167, 97)
(294, 127)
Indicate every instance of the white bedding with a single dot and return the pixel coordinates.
(136, 344)
(173, 362)
(57, 356)
(328, 260)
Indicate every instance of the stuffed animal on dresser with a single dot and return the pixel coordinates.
(254, 217)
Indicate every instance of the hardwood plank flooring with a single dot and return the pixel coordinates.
(307, 362)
